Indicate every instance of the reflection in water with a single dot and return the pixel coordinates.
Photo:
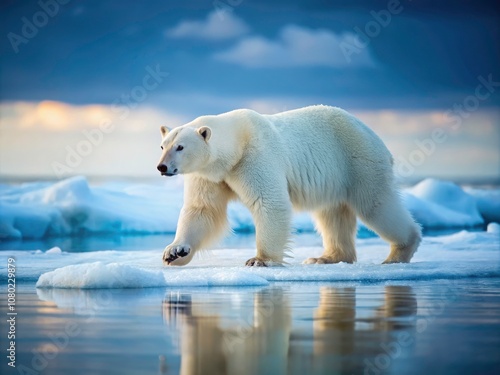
(344, 343)
(264, 341)
(299, 328)
(334, 329)
(400, 302)
(256, 343)
(263, 346)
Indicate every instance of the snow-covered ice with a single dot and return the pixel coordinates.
(101, 275)
(441, 204)
(493, 228)
(72, 206)
(54, 250)
(488, 203)
(460, 255)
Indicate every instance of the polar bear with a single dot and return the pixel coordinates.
(320, 159)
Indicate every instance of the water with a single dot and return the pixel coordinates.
(418, 327)
(396, 327)
(87, 243)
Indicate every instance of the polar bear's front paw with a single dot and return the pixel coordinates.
(174, 252)
(255, 262)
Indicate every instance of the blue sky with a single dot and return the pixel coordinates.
(406, 68)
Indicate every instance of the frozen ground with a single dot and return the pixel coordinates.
(461, 255)
(72, 207)
(69, 207)
(129, 314)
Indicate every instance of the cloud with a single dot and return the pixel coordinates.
(214, 27)
(34, 136)
(297, 46)
(55, 116)
(470, 152)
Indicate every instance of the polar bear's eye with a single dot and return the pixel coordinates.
(161, 147)
(179, 148)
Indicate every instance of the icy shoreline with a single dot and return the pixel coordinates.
(72, 207)
(460, 255)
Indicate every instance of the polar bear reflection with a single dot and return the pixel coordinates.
(265, 341)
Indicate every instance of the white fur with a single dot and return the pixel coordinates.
(320, 159)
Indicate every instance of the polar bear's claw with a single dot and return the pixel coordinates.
(255, 262)
(172, 253)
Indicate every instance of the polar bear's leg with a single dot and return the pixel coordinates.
(272, 232)
(202, 220)
(337, 226)
(390, 219)
(264, 191)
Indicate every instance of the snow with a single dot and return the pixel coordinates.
(54, 250)
(72, 206)
(488, 203)
(493, 228)
(114, 275)
(461, 255)
(101, 275)
(442, 204)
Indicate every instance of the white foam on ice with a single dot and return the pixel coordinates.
(460, 255)
(72, 206)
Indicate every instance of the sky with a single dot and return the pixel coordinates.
(85, 86)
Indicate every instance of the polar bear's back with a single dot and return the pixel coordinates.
(330, 154)
(328, 123)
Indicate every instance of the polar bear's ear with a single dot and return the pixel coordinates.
(205, 132)
(164, 130)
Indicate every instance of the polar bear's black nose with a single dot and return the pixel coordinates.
(162, 168)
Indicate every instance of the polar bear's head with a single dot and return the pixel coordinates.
(184, 150)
